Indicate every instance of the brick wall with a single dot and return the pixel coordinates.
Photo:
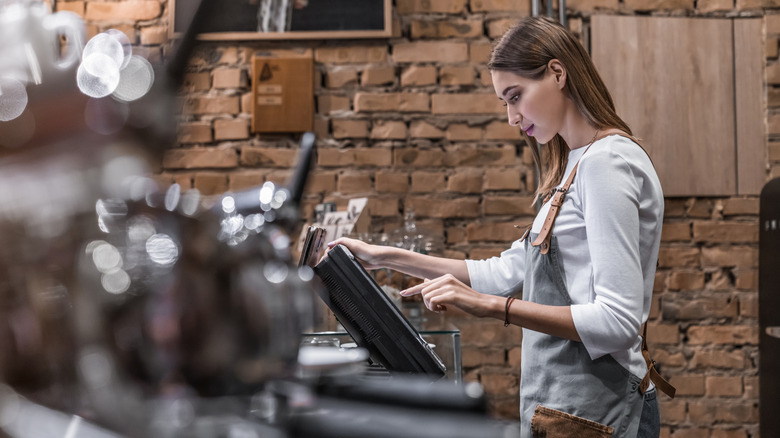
(412, 123)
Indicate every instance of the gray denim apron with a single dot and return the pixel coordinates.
(559, 374)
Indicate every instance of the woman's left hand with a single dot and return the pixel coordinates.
(447, 290)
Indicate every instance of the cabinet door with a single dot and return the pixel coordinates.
(674, 82)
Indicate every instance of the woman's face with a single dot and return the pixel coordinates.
(536, 106)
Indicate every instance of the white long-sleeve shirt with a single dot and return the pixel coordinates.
(609, 232)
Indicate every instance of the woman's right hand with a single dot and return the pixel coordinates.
(368, 255)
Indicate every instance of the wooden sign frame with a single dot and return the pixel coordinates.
(224, 32)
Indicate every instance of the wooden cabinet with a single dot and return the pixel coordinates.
(692, 90)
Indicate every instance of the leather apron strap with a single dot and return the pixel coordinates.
(652, 373)
(543, 238)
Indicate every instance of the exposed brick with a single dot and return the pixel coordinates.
(497, 27)
(729, 433)
(446, 52)
(676, 232)
(501, 130)
(197, 81)
(700, 208)
(268, 157)
(721, 335)
(718, 358)
(691, 384)
(773, 100)
(651, 5)
(725, 232)
(331, 157)
(740, 206)
(672, 411)
(508, 205)
(773, 122)
(724, 410)
(474, 357)
(479, 52)
(521, 7)
(418, 75)
(772, 23)
(423, 129)
(746, 279)
(748, 305)
(123, 10)
(724, 386)
(691, 432)
(755, 4)
(226, 77)
(727, 256)
(500, 383)
(707, 6)
(466, 181)
(231, 129)
(466, 103)
(77, 7)
(243, 180)
(428, 6)
(245, 100)
(446, 28)
(401, 102)
(663, 333)
(354, 182)
(701, 308)
(384, 75)
(463, 132)
(503, 179)
(492, 232)
(678, 256)
(463, 155)
(375, 157)
(388, 130)
(210, 183)
(383, 206)
(456, 75)
(444, 208)
(194, 132)
(428, 182)
(674, 207)
(351, 55)
(481, 253)
(685, 280)
(666, 359)
(341, 77)
(348, 128)
(752, 385)
(328, 104)
(416, 157)
(391, 182)
(321, 182)
(210, 105)
(199, 158)
(154, 35)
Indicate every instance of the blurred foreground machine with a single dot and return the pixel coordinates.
(127, 311)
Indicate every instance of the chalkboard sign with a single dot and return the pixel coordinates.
(287, 19)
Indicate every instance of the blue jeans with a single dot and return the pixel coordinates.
(650, 422)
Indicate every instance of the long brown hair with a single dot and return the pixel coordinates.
(525, 50)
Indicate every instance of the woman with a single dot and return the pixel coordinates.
(586, 265)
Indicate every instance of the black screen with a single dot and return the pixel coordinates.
(373, 321)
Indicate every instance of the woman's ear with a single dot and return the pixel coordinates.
(559, 71)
